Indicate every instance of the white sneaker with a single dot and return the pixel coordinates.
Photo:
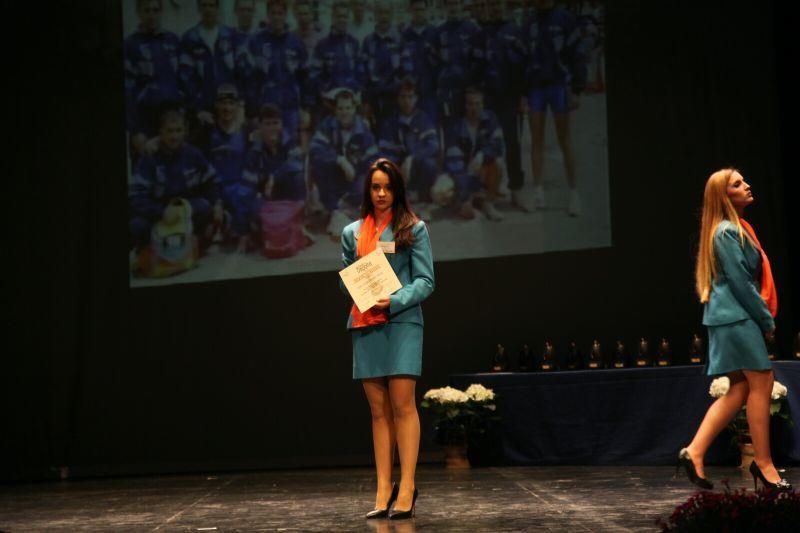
(337, 223)
(574, 208)
(538, 197)
(491, 211)
(520, 200)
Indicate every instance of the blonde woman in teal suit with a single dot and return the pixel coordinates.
(734, 281)
(387, 339)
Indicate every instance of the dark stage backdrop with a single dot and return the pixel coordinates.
(107, 380)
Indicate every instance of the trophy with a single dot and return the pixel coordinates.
(573, 357)
(796, 349)
(664, 353)
(643, 353)
(500, 361)
(595, 356)
(772, 346)
(525, 360)
(696, 350)
(619, 355)
(548, 357)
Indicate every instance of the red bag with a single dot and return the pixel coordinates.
(281, 228)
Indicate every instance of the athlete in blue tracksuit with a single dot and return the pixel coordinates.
(467, 139)
(204, 67)
(499, 62)
(151, 71)
(454, 60)
(225, 145)
(341, 151)
(275, 165)
(417, 58)
(411, 133)
(556, 67)
(175, 170)
(554, 59)
(336, 60)
(380, 56)
(271, 62)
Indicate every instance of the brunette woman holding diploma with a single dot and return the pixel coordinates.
(734, 281)
(387, 338)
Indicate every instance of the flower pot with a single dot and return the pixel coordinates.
(748, 454)
(455, 456)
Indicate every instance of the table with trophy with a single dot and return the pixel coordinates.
(615, 406)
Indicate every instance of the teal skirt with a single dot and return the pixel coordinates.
(387, 350)
(736, 346)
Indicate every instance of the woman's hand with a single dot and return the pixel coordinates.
(383, 303)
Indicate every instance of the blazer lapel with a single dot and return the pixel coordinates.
(387, 235)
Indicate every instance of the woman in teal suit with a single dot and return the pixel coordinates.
(387, 339)
(734, 281)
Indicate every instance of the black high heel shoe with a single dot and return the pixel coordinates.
(685, 461)
(383, 513)
(400, 515)
(782, 484)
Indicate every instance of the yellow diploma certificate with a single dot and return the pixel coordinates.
(369, 279)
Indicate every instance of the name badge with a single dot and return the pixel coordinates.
(386, 247)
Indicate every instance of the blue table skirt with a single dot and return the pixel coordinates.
(636, 416)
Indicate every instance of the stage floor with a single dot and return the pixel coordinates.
(586, 498)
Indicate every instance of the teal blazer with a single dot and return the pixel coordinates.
(735, 291)
(413, 266)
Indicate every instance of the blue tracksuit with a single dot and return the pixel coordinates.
(380, 56)
(203, 70)
(454, 64)
(417, 61)
(499, 54)
(328, 143)
(285, 167)
(335, 63)
(151, 78)
(554, 53)
(462, 147)
(414, 136)
(226, 153)
(271, 64)
(161, 177)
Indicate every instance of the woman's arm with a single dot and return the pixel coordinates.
(422, 279)
(731, 260)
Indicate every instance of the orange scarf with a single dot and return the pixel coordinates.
(768, 291)
(367, 242)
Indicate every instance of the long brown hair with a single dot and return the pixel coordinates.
(403, 217)
(716, 208)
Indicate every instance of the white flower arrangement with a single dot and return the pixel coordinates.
(779, 390)
(720, 387)
(446, 395)
(479, 393)
(460, 415)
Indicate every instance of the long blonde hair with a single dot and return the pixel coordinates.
(716, 208)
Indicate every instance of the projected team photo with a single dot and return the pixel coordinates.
(251, 126)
